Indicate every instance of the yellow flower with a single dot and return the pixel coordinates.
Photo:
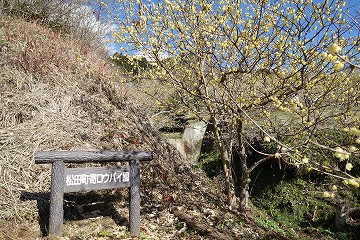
(341, 154)
(331, 57)
(334, 187)
(353, 148)
(334, 48)
(328, 195)
(338, 65)
(354, 131)
(305, 160)
(267, 139)
(348, 166)
(353, 182)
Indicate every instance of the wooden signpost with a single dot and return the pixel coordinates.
(65, 180)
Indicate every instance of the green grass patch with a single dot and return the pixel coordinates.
(295, 203)
(270, 225)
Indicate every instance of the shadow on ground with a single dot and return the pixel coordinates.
(77, 206)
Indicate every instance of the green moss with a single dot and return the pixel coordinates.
(173, 135)
(210, 163)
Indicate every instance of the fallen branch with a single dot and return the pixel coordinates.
(201, 228)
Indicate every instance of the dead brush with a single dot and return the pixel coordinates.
(34, 53)
(38, 53)
(45, 79)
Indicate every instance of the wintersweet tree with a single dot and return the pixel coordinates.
(255, 66)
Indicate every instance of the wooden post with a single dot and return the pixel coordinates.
(134, 213)
(56, 198)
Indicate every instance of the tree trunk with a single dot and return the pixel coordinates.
(244, 192)
(226, 163)
(225, 154)
(229, 180)
(245, 178)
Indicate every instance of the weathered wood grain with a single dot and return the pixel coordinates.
(90, 156)
(56, 199)
(134, 213)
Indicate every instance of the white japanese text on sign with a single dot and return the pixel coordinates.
(96, 178)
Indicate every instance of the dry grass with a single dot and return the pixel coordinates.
(52, 98)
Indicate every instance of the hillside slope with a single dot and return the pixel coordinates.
(56, 94)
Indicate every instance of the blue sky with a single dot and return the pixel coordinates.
(113, 47)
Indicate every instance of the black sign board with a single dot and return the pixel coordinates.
(65, 180)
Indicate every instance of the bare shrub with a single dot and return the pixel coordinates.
(72, 17)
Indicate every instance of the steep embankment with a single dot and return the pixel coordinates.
(56, 94)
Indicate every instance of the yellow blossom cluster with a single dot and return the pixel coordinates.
(338, 65)
(355, 132)
(341, 154)
(352, 182)
(267, 139)
(331, 193)
(334, 49)
(305, 160)
(348, 166)
(327, 194)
